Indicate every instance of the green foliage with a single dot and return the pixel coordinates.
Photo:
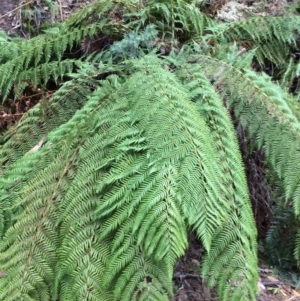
(102, 182)
(271, 36)
(33, 16)
(282, 232)
(133, 42)
(24, 59)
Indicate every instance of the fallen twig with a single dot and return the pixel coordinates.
(271, 283)
(186, 276)
(16, 8)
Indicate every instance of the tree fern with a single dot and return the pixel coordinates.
(101, 182)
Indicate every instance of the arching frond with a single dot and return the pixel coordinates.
(33, 56)
(228, 242)
(268, 113)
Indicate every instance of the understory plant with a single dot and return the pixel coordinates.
(102, 181)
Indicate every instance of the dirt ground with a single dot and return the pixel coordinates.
(188, 285)
(17, 16)
(5, 8)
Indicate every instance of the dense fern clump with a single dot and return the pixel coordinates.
(102, 182)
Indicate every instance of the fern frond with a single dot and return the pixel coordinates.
(189, 20)
(101, 182)
(102, 148)
(9, 47)
(138, 194)
(40, 205)
(230, 243)
(185, 138)
(268, 114)
(276, 113)
(34, 55)
(195, 21)
(47, 115)
(28, 251)
(18, 166)
(270, 36)
(280, 242)
(96, 8)
(290, 79)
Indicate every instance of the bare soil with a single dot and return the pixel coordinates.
(17, 16)
(6, 14)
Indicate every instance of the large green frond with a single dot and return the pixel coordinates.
(29, 256)
(18, 166)
(28, 250)
(184, 142)
(233, 252)
(268, 114)
(178, 18)
(125, 269)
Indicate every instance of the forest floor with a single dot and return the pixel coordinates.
(19, 17)
(188, 285)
